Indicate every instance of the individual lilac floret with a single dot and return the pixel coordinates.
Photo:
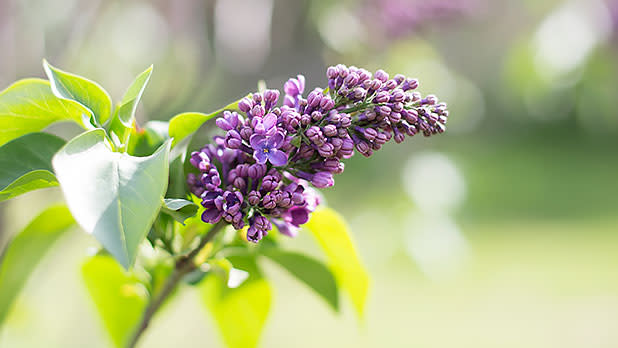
(267, 149)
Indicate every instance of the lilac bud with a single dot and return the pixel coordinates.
(394, 117)
(269, 183)
(257, 98)
(382, 97)
(258, 111)
(332, 72)
(269, 201)
(246, 133)
(381, 75)
(240, 183)
(317, 116)
(245, 105)
(305, 120)
(327, 104)
(233, 140)
(254, 197)
(330, 130)
(314, 98)
(322, 180)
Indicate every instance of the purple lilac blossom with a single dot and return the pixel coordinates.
(258, 174)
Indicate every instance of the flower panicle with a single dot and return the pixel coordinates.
(258, 173)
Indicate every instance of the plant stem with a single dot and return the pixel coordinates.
(185, 264)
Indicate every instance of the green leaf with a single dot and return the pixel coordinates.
(240, 313)
(112, 195)
(124, 117)
(146, 140)
(29, 106)
(331, 233)
(185, 124)
(309, 271)
(179, 209)
(25, 164)
(119, 296)
(126, 110)
(73, 87)
(24, 252)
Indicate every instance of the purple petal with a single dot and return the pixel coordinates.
(257, 141)
(299, 216)
(269, 121)
(275, 140)
(211, 215)
(260, 156)
(277, 157)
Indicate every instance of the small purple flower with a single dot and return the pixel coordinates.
(267, 149)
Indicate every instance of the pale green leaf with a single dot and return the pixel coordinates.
(179, 209)
(112, 195)
(29, 106)
(73, 87)
(119, 296)
(124, 116)
(25, 251)
(128, 104)
(331, 233)
(309, 271)
(240, 313)
(25, 164)
(185, 124)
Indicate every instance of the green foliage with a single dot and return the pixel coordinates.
(88, 93)
(179, 209)
(25, 164)
(185, 124)
(240, 313)
(124, 116)
(29, 106)
(114, 196)
(26, 250)
(309, 271)
(146, 140)
(119, 296)
(331, 233)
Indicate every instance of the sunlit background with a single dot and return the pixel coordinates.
(502, 232)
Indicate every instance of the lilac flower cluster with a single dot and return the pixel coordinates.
(258, 173)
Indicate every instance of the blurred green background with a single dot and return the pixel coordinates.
(499, 233)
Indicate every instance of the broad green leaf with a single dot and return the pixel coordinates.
(73, 87)
(240, 313)
(124, 116)
(185, 124)
(179, 209)
(331, 233)
(25, 164)
(112, 195)
(29, 106)
(119, 296)
(310, 271)
(25, 251)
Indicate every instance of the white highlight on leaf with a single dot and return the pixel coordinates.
(236, 277)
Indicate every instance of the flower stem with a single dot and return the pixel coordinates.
(184, 265)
